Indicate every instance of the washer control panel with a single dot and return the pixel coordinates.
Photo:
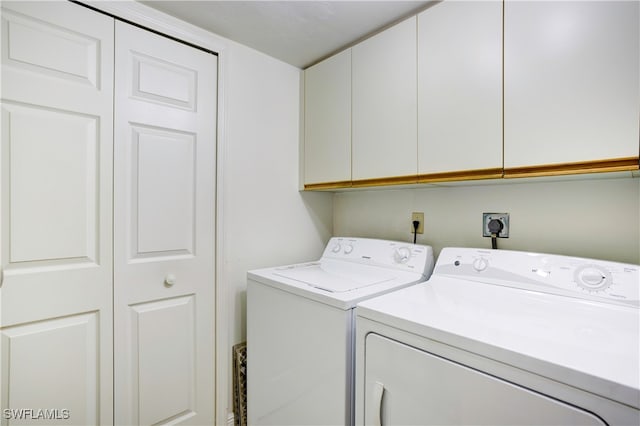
(383, 253)
(599, 280)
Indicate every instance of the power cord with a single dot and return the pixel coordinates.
(495, 227)
(416, 224)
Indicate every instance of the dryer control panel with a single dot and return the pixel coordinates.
(382, 253)
(600, 280)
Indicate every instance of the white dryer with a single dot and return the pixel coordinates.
(300, 327)
(501, 337)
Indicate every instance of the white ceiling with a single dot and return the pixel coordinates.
(300, 33)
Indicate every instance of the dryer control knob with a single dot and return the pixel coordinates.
(592, 278)
(480, 264)
(348, 249)
(336, 248)
(402, 255)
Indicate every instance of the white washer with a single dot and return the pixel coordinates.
(300, 327)
(502, 337)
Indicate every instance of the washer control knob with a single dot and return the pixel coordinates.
(592, 278)
(480, 264)
(348, 249)
(402, 255)
(336, 248)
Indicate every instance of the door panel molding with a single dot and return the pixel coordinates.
(40, 358)
(164, 331)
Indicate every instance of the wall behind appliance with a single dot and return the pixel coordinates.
(595, 218)
(266, 221)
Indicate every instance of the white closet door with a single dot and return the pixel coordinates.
(55, 186)
(164, 183)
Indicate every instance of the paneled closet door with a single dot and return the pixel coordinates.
(56, 224)
(164, 183)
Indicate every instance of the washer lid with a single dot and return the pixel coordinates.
(335, 277)
(333, 282)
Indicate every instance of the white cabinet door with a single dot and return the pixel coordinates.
(327, 142)
(406, 386)
(460, 90)
(164, 183)
(56, 186)
(571, 82)
(384, 139)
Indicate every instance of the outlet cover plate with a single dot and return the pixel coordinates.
(419, 216)
(503, 217)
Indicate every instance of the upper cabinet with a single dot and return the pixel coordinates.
(460, 91)
(327, 143)
(571, 95)
(471, 90)
(384, 105)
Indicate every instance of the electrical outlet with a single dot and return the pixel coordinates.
(419, 216)
(502, 217)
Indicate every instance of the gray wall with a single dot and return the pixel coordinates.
(595, 217)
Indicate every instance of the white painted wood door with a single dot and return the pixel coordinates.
(164, 183)
(56, 225)
(460, 87)
(384, 138)
(571, 86)
(327, 142)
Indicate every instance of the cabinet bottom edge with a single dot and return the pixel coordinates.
(604, 166)
(629, 164)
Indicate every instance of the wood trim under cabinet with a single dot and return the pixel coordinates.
(327, 185)
(600, 166)
(560, 169)
(385, 181)
(460, 175)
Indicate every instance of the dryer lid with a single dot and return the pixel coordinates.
(335, 276)
(586, 344)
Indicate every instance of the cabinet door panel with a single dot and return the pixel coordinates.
(384, 104)
(571, 81)
(328, 120)
(460, 87)
(56, 216)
